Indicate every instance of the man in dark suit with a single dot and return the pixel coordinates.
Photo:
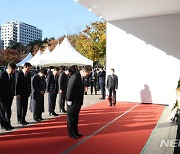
(75, 96)
(63, 81)
(52, 90)
(112, 86)
(7, 91)
(37, 96)
(102, 77)
(93, 80)
(23, 91)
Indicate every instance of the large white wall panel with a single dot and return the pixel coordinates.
(145, 55)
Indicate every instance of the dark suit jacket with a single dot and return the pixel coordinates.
(23, 84)
(102, 77)
(7, 87)
(93, 78)
(37, 99)
(75, 89)
(112, 82)
(63, 81)
(52, 84)
(38, 85)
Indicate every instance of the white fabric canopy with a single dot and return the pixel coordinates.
(43, 57)
(34, 60)
(27, 58)
(66, 55)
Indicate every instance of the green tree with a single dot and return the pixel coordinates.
(92, 42)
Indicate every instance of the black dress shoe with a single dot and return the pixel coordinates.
(54, 114)
(37, 120)
(63, 111)
(79, 135)
(19, 122)
(73, 136)
(24, 123)
(8, 127)
(41, 119)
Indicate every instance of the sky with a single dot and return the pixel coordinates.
(54, 17)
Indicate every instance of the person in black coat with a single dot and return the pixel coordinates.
(102, 77)
(23, 91)
(63, 81)
(93, 80)
(75, 96)
(52, 90)
(112, 86)
(7, 92)
(37, 95)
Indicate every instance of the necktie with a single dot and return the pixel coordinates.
(10, 77)
(82, 79)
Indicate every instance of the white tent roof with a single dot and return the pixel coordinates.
(34, 60)
(66, 55)
(22, 62)
(43, 57)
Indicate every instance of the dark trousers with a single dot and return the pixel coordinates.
(102, 86)
(5, 112)
(112, 96)
(93, 85)
(62, 99)
(37, 116)
(73, 118)
(22, 105)
(52, 102)
(37, 106)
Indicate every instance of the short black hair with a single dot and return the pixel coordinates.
(12, 66)
(112, 69)
(56, 68)
(86, 68)
(27, 64)
(68, 69)
(43, 71)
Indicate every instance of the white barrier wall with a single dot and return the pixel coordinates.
(145, 54)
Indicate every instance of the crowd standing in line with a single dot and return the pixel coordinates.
(70, 83)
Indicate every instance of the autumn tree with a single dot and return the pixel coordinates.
(9, 55)
(91, 42)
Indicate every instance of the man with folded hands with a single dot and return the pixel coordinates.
(75, 96)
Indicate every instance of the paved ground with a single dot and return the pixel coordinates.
(164, 129)
(88, 100)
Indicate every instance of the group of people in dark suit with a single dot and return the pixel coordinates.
(68, 83)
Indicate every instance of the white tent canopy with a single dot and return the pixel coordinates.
(42, 58)
(34, 60)
(27, 58)
(66, 55)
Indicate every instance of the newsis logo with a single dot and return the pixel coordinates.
(172, 143)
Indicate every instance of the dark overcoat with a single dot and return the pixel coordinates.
(37, 99)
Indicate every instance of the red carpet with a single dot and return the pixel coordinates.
(126, 135)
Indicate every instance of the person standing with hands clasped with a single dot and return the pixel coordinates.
(7, 92)
(23, 91)
(37, 97)
(75, 96)
(112, 86)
